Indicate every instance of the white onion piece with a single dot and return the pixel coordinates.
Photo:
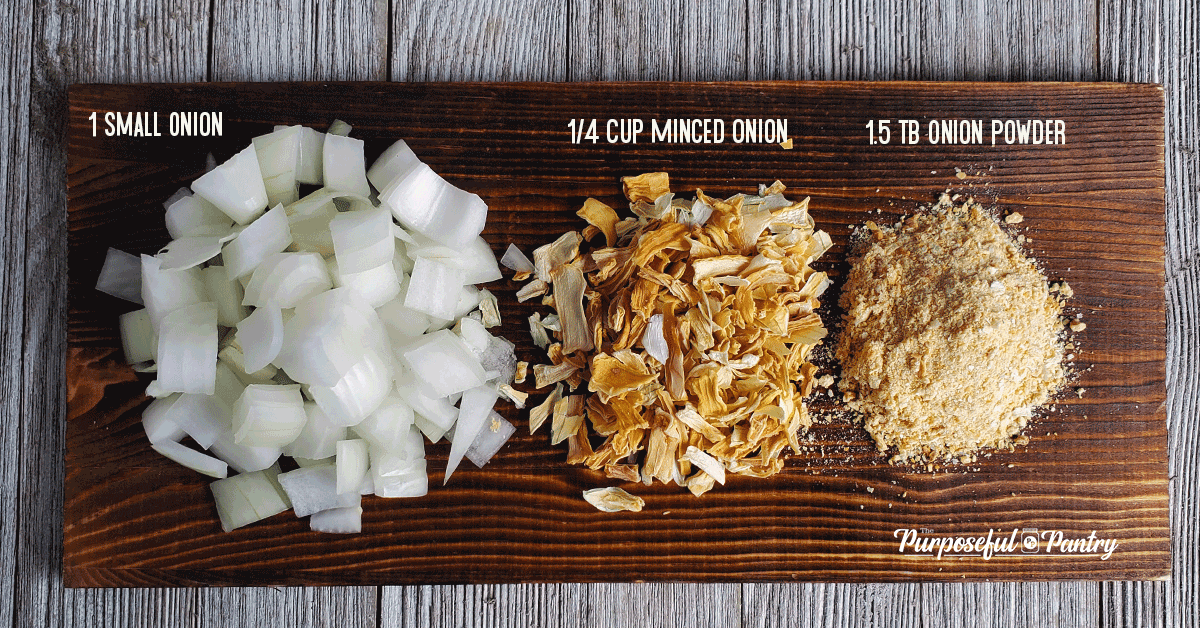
(394, 163)
(310, 232)
(235, 187)
(138, 338)
(268, 415)
(269, 234)
(360, 391)
(314, 489)
(310, 167)
(476, 259)
(232, 357)
(121, 276)
(344, 164)
(337, 521)
(363, 229)
(287, 279)
(339, 128)
(165, 291)
(248, 497)
(424, 202)
(156, 420)
(242, 458)
(328, 335)
(376, 285)
(192, 459)
(226, 293)
(319, 437)
(229, 387)
(353, 460)
(402, 323)
(389, 427)
(476, 405)
(433, 416)
(261, 336)
(434, 288)
(278, 155)
(312, 462)
(516, 260)
(191, 215)
(474, 335)
(187, 349)
(203, 417)
(654, 341)
(491, 438)
(394, 477)
(189, 251)
(444, 363)
(468, 299)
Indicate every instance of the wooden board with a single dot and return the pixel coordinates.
(1094, 213)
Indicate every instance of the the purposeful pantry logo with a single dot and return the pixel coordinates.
(1022, 542)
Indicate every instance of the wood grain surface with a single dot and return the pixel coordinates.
(102, 41)
(1094, 213)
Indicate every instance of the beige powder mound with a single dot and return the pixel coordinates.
(951, 336)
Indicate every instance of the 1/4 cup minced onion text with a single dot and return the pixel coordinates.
(343, 328)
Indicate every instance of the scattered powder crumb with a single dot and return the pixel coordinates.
(1014, 218)
(951, 334)
(825, 381)
(1078, 326)
(786, 144)
(1079, 392)
(870, 489)
(960, 174)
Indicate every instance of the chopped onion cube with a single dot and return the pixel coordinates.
(319, 437)
(191, 215)
(363, 230)
(287, 279)
(203, 417)
(192, 459)
(261, 337)
(278, 155)
(344, 164)
(434, 288)
(310, 168)
(394, 163)
(242, 458)
(424, 202)
(164, 291)
(189, 251)
(473, 411)
(389, 427)
(121, 276)
(402, 323)
(269, 234)
(339, 128)
(157, 421)
(396, 477)
(138, 338)
(314, 489)
(337, 521)
(231, 356)
(226, 293)
(375, 285)
(268, 415)
(187, 349)
(235, 187)
(444, 363)
(353, 460)
(516, 260)
(496, 431)
(248, 497)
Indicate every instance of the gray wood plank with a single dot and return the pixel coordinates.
(134, 40)
(130, 608)
(15, 61)
(663, 40)
(1155, 41)
(343, 607)
(299, 40)
(1002, 40)
(561, 606)
(507, 40)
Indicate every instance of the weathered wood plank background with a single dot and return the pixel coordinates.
(46, 45)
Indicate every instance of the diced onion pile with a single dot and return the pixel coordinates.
(342, 328)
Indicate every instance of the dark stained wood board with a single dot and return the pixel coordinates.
(1094, 213)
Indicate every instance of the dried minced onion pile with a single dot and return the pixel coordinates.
(317, 329)
(690, 323)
